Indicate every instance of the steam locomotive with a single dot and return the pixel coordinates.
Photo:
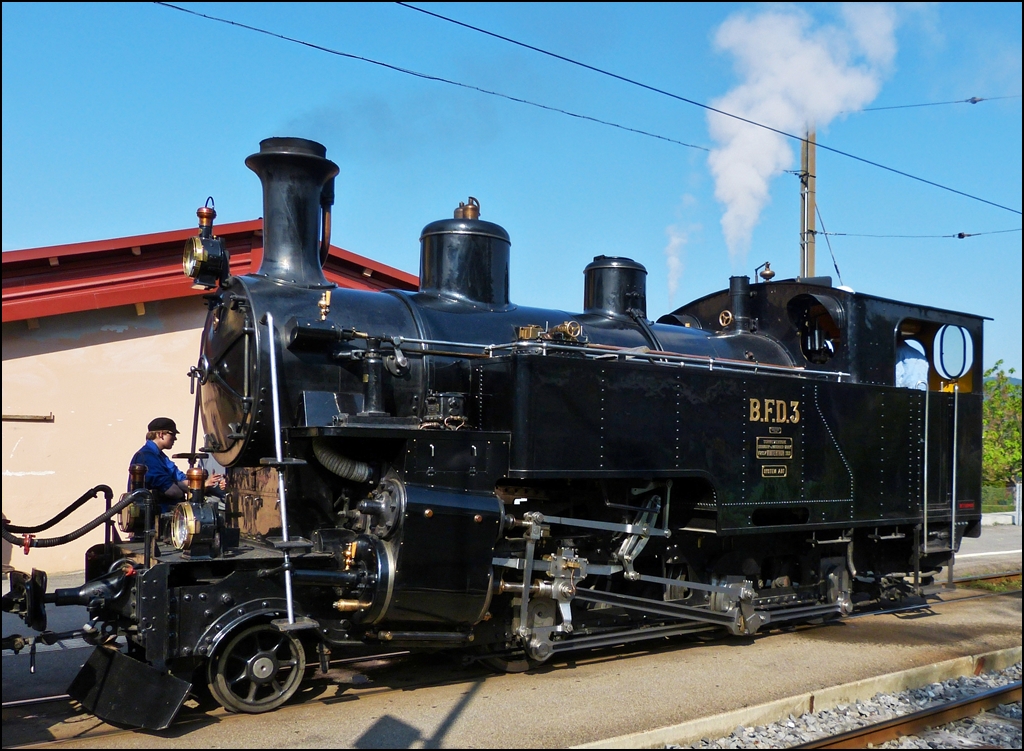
(446, 469)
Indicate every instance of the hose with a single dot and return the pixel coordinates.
(645, 329)
(340, 465)
(52, 542)
(86, 496)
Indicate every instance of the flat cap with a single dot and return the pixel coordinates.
(162, 423)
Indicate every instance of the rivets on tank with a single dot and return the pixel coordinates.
(427, 513)
(478, 518)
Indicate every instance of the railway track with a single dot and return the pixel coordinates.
(389, 673)
(863, 614)
(988, 577)
(925, 719)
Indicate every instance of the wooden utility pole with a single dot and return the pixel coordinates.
(807, 197)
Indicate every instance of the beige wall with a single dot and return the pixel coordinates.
(104, 375)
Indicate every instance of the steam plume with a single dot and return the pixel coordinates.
(793, 75)
(677, 238)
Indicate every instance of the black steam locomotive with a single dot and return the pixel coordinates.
(445, 469)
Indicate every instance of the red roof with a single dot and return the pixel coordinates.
(58, 279)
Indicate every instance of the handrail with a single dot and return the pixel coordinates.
(952, 494)
(279, 455)
(927, 423)
(594, 351)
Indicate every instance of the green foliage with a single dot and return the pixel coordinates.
(996, 498)
(1001, 454)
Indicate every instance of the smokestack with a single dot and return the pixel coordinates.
(293, 172)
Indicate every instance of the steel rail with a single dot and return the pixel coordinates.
(924, 605)
(916, 722)
(35, 700)
(989, 577)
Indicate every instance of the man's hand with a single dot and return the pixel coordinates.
(217, 482)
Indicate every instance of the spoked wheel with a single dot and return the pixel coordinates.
(259, 669)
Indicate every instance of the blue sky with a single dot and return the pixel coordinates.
(121, 119)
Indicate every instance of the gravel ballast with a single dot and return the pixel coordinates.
(985, 730)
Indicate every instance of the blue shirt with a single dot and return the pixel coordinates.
(911, 368)
(161, 472)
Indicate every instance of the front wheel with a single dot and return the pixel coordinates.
(259, 669)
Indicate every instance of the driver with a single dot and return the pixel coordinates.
(162, 475)
(911, 365)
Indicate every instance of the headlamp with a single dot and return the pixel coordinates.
(132, 520)
(205, 258)
(194, 528)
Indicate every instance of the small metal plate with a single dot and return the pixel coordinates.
(301, 624)
(272, 461)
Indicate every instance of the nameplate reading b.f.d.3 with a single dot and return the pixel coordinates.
(774, 410)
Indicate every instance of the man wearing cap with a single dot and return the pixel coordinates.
(162, 474)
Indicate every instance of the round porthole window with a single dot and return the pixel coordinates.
(953, 352)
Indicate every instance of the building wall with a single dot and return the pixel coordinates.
(103, 375)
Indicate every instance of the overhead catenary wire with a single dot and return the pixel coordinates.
(955, 235)
(451, 82)
(430, 77)
(707, 107)
(970, 100)
(828, 242)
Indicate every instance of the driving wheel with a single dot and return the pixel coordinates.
(259, 669)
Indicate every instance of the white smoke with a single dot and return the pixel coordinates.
(677, 238)
(794, 74)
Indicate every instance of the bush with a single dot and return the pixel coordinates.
(996, 498)
(1001, 414)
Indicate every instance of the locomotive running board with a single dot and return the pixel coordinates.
(122, 691)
